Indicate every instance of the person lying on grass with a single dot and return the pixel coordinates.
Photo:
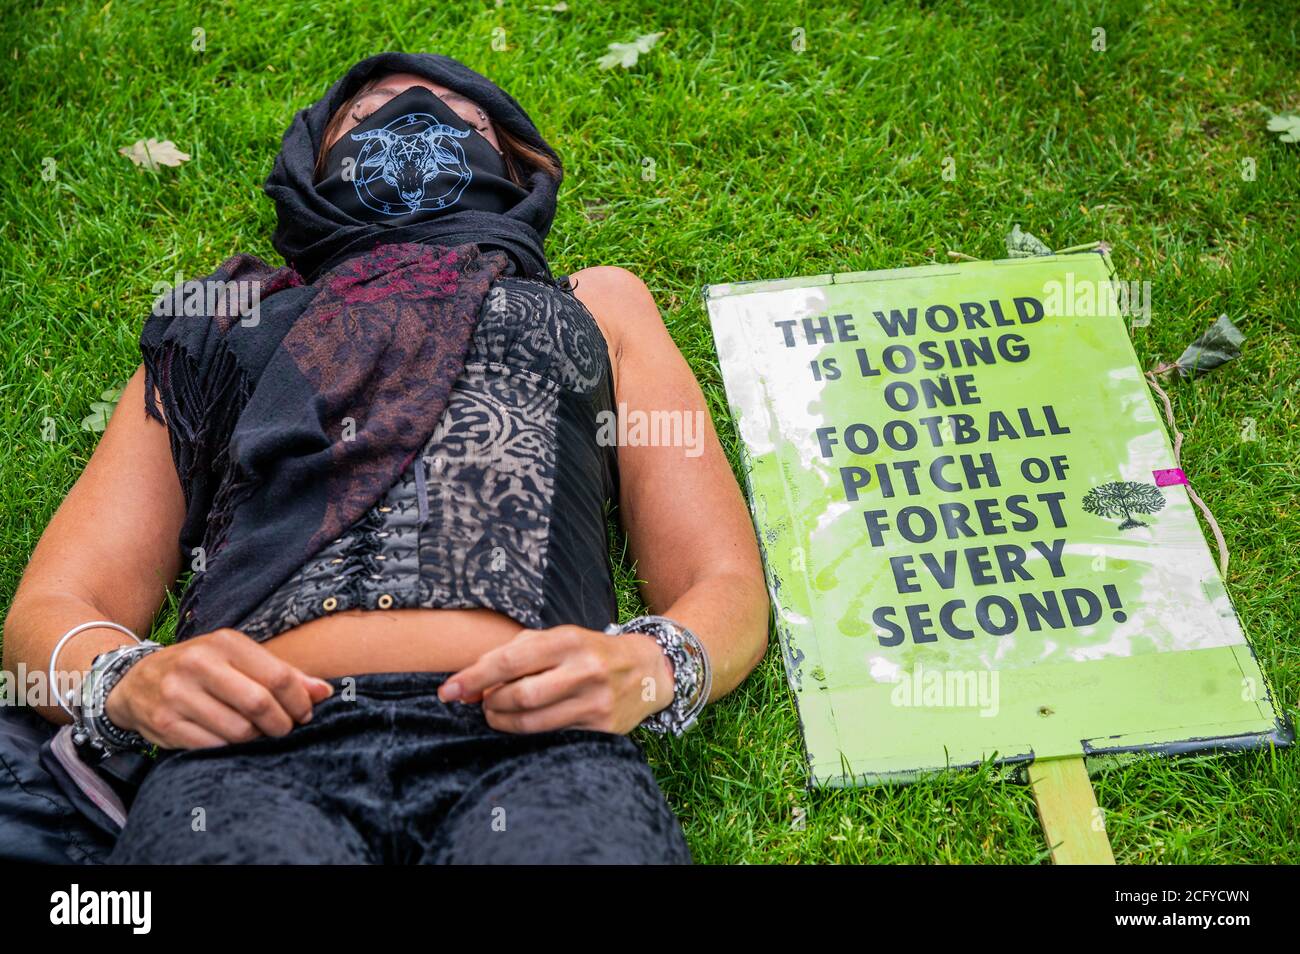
(384, 464)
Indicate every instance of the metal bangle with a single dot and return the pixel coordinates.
(105, 673)
(692, 671)
(75, 631)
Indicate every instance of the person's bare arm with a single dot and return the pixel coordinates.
(690, 534)
(688, 528)
(110, 553)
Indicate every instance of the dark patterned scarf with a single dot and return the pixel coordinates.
(293, 409)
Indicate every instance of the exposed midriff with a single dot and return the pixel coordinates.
(398, 640)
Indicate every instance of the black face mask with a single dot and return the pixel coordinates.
(413, 159)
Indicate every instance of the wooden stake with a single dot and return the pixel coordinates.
(1067, 807)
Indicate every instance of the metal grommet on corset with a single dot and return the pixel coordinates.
(330, 604)
(385, 601)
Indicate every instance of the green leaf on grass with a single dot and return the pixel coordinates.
(627, 54)
(1287, 125)
(101, 411)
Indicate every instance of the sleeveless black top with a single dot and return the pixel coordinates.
(506, 507)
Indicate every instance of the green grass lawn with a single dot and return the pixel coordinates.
(726, 154)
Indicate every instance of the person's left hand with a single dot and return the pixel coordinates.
(566, 677)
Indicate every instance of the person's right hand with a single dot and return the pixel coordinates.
(211, 690)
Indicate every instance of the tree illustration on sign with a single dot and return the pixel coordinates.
(1124, 497)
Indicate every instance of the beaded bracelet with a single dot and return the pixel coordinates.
(692, 671)
(106, 672)
(90, 723)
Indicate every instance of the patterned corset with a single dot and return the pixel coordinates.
(505, 509)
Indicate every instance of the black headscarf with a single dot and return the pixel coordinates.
(313, 234)
(290, 416)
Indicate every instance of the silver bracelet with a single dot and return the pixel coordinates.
(58, 647)
(692, 671)
(96, 728)
(91, 724)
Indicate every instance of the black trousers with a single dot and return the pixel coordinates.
(385, 772)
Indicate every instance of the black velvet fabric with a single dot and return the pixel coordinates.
(394, 775)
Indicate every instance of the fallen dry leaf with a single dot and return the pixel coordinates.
(626, 54)
(152, 154)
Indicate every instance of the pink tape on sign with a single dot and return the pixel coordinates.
(1166, 478)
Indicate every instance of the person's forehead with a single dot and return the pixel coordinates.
(406, 80)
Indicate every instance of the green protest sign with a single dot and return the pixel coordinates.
(975, 531)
